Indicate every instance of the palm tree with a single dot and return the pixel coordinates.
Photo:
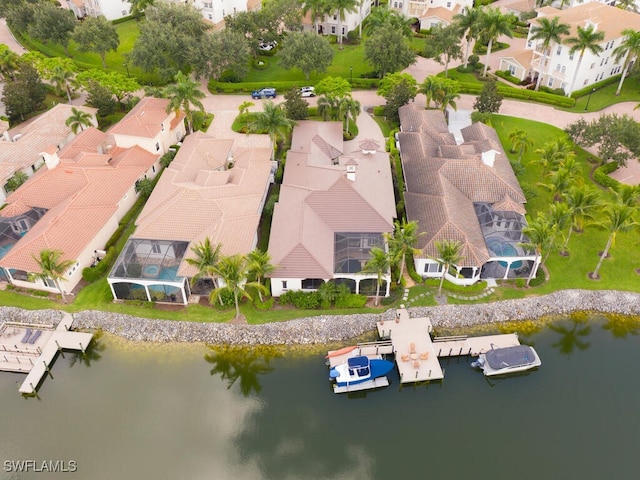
(448, 254)
(233, 271)
(350, 108)
(139, 6)
(520, 142)
(342, 7)
(259, 266)
(627, 194)
(446, 94)
(492, 24)
(468, 25)
(8, 63)
(379, 263)
(559, 216)
(619, 217)
(403, 241)
(78, 120)
(183, 94)
(328, 292)
(549, 31)
(540, 233)
(587, 38)
(383, 17)
(63, 78)
(328, 107)
(581, 201)
(629, 5)
(629, 49)
(243, 108)
(559, 181)
(318, 9)
(52, 267)
(205, 259)
(272, 120)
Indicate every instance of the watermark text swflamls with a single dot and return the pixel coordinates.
(38, 466)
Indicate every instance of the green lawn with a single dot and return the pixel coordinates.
(606, 96)
(618, 271)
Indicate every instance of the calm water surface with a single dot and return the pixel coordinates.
(128, 412)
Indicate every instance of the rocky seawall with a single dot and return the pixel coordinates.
(335, 328)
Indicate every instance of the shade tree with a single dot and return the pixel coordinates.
(96, 35)
(388, 50)
(306, 51)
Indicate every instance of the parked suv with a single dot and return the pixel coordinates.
(264, 93)
(308, 92)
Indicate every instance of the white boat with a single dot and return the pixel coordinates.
(360, 373)
(500, 361)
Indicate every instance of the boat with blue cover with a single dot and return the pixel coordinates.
(360, 373)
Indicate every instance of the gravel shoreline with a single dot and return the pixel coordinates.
(334, 328)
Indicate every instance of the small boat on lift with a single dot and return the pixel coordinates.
(500, 361)
(360, 373)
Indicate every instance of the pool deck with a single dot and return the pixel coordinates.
(35, 358)
(417, 354)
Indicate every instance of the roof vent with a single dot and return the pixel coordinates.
(489, 157)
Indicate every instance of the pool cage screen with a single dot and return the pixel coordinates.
(149, 259)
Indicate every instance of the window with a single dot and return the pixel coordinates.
(157, 147)
(550, 82)
(49, 283)
(592, 66)
(558, 67)
(284, 284)
(571, 56)
(585, 83)
(559, 50)
(153, 168)
(432, 268)
(563, 69)
(512, 70)
(155, 248)
(563, 86)
(333, 29)
(448, 4)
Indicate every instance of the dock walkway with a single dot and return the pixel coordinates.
(18, 353)
(417, 354)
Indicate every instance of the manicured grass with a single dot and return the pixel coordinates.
(606, 96)
(618, 271)
(343, 61)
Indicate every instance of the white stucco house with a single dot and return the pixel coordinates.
(559, 67)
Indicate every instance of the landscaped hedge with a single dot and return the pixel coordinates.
(507, 76)
(601, 175)
(92, 274)
(521, 94)
(351, 301)
(598, 85)
(300, 299)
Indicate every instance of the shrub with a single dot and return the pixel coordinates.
(351, 301)
(300, 299)
(473, 60)
(521, 282)
(507, 76)
(92, 274)
(394, 296)
(598, 85)
(264, 305)
(223, 300)
(540, 278)
(601, 175)
(378, 111)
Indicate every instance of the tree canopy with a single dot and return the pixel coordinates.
(307, 51)
(97, 35)
(388, 50)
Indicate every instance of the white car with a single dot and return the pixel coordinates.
(308, 92)
(267, 46)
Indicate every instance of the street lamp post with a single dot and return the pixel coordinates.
(586, 107)
(350, 74)
(126, 65)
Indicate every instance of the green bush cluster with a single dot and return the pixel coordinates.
(378, 111)
(365, 83)
(587, 90)
(452, 287)
(266, 304)
(394, 295)
(520, 94)
(507, 76)
(601, 175)
(351, 301)
(92, 274)
(301, 300)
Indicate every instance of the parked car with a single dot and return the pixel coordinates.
(266, 92)
(308, 92)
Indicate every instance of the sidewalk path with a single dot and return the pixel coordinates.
(7, 38)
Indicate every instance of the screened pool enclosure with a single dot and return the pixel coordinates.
(148, 270)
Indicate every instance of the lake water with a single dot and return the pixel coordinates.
(137, 412)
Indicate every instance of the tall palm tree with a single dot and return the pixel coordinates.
(587, 38)
(233, 271)
(379, 263)
(52, 267)
(78, 120)
(342, 7)
(206, 258)
(8, 63)
(619, 217)
(272, 120)
(468, 25)
(429, 88)
(183, 94)
(448, 254)
(493, 24)
(629, 49)
(522, 143)
(259, 266)
(383, 17)
(581, 201)
(540, 233)
(403, 241)
(350, 108)
(559, 181)
(243, 108)
(63, 78)
(560, 217)
(328, 107)
(550, 32)
(627, 194)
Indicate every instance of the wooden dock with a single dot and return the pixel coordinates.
(417, 354)
(36, 358)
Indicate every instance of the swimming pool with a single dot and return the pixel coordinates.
(4, 249)
(500, 248)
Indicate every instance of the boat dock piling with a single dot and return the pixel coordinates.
(35, 353)
(417, 354)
